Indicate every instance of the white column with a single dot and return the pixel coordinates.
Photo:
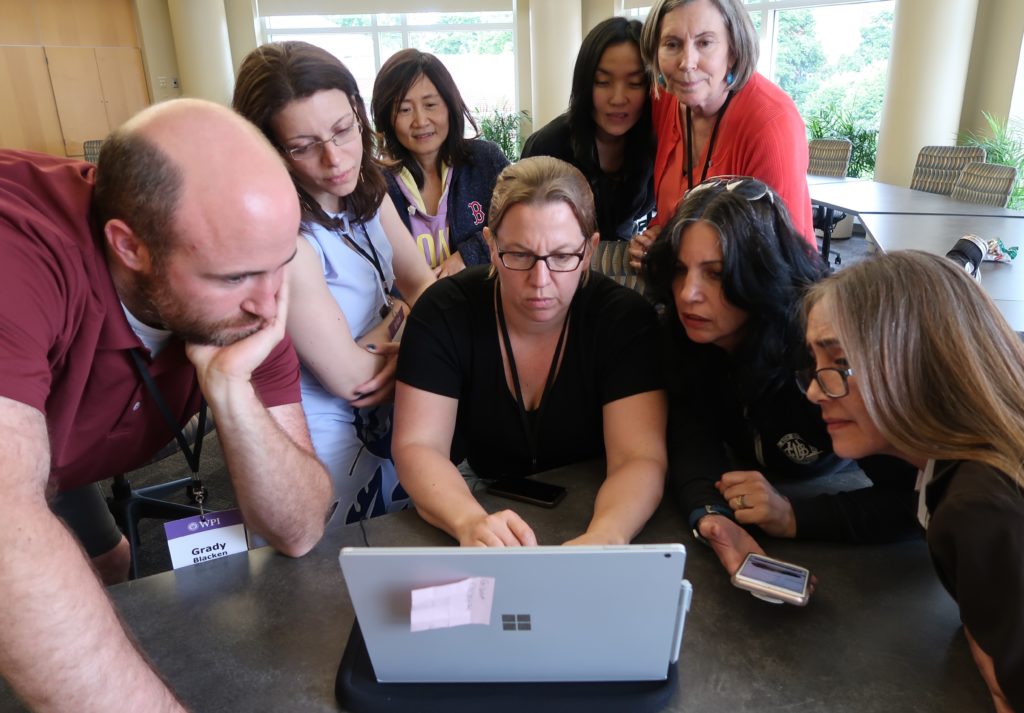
(554, 41)
(993, 72)
(201, 43)
(241, 18)
(931, 50)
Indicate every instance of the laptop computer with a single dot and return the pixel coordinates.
(558, 614)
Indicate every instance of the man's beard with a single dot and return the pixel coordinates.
(184, 321)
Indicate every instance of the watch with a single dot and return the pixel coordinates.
(697, 515)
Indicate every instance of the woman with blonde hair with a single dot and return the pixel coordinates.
(529, 365)
(913, 359)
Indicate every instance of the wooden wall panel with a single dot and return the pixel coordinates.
(93, 23)
(28, 115)
(18, 26)
(124, 82)
(79, 95)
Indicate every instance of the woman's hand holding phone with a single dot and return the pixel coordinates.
(728, 540)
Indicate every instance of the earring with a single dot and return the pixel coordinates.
(729, 78)
(661, 80)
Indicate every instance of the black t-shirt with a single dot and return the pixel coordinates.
(620, 199)
(451, 347)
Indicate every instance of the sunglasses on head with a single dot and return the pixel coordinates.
(743, 186)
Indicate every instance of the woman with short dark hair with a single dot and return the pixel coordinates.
(442, 181)
(606, 133)
(732, 270)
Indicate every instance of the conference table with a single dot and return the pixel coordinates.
(874, 197)
(261, 632)
(1004, 282)
(898, 218)
(815, 179)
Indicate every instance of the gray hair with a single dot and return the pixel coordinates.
(940, 371)
(743, 40)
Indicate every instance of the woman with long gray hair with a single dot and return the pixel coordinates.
(912, 359)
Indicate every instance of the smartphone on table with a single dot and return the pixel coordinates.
(773, 580)
(528, 491)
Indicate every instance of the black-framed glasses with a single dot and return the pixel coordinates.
(315, 149)
(556, 262)
(743, 186)
(833, 381)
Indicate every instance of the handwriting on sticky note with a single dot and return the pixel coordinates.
(464, 602)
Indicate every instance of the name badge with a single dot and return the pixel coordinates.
(196, 539)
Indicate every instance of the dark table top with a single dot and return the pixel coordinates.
(262, 632)
(873, 197)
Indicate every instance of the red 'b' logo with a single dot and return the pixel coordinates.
(478, 212)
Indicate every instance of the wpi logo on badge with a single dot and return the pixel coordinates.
(798, 450)
(200, 538)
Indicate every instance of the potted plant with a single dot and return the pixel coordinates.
(831, 122)
(506, 129)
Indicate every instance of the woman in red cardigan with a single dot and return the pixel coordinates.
(713, 114)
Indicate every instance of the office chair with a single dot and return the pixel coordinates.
(985, 183)
(938, 167)
(129, 505)
(828, 157)
(612, 259)
(92, 149)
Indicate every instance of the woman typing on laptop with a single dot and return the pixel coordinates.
(528, 365)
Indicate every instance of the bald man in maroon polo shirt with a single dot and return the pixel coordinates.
(180, 252)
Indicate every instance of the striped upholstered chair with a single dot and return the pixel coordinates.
(91, 149)
(937, 167)
(612, 259)
(829, 157)
(986, 183)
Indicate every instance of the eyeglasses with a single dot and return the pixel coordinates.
(743, 186)
(556, 262)
(832, 380)
(315, 149)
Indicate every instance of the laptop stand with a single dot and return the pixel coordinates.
(358, 691)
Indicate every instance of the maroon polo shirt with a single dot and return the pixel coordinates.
(65, 342)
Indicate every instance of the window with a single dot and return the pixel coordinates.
(478, 48)
(832, 58)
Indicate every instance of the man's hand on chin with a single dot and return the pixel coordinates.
(237, 361)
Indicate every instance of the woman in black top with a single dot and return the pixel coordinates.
(912, 359)
(606, 133)
(533, 364)
(731, 269)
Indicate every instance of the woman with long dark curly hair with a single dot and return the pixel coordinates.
(731, 269)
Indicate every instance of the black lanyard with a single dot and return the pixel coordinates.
(370, 257)
(532, 432)
(196, 489)
(711, 143)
